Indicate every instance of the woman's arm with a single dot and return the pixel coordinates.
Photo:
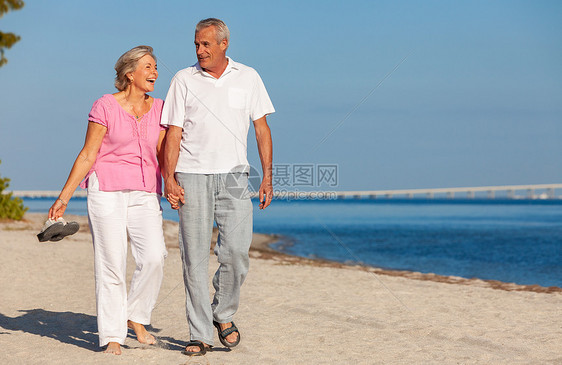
(83, 164)
(160, 150)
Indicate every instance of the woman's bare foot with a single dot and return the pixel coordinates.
(113, 348)
(142, 334)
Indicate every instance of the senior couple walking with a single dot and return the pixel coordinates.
(196, 141)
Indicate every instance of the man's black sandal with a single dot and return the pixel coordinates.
(224, 333)
(202, 348)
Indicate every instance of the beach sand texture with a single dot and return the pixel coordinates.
(292, 312)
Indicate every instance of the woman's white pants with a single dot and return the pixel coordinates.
(113, 216)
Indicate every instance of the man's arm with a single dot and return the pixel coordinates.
(171, 154)
(265, 149)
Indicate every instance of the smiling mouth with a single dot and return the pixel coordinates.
(152, 81)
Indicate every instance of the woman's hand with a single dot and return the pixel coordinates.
(174, 194)
(174, 201)
(57, 209)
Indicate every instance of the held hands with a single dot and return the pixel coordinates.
(265, 193)
(57, 209)
(174, 193)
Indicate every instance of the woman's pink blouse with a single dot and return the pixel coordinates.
(127, 156)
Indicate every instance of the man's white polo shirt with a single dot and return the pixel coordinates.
(215, 116)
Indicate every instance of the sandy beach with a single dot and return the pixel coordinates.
(293, 311)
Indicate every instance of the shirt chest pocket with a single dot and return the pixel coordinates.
(237, 98)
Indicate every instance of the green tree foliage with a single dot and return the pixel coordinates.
(10, 207)
(7, 40)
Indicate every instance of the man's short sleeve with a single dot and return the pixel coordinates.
(99, 112)
(173, 112)
(260, 103)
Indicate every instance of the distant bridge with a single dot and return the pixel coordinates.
(537, 191)
(45, 193)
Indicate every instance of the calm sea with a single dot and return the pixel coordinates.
(516, 241)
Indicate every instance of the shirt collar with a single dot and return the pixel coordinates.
(232, 65)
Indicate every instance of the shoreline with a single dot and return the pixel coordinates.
(264, 250)
(261, 248)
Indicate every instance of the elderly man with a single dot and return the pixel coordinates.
(208, 111)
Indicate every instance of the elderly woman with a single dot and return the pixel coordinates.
(119, 165)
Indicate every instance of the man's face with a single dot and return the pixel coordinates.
(210, 53)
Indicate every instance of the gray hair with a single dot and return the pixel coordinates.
(128, 63)
(220, 26)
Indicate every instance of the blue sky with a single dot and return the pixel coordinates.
(477, 100)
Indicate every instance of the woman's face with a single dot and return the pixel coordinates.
(145, 74)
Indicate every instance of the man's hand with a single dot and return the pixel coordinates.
(174, 193)
(265, 193)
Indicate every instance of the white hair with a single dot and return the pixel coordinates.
(220, 26)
